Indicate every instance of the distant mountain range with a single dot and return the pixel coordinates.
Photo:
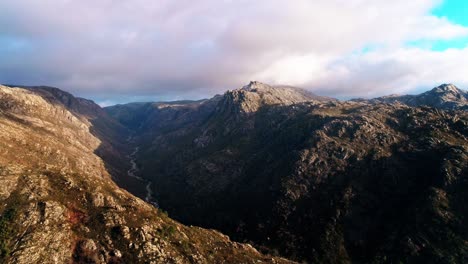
(297, 175)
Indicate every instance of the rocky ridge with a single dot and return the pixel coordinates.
(445, 96)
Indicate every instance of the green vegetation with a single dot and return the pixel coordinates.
(163, 213)
(168, 230)
(6, 232)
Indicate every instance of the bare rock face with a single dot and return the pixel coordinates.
(58, 203)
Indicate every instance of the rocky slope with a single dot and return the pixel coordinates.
(445, 96)
(60, 205)
(312, 178)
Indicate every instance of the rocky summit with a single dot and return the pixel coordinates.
(287, 174)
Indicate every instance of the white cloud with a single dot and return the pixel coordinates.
(404, 70)
(177, 47)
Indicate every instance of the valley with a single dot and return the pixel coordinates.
(133, 173)
(60, 157)
(233, 132)
(300, 177)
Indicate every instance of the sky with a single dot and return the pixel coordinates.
(117, 51)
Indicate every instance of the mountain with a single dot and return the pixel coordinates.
(59, 157)
(298, 175)
(256, 95)
(248, 99)
(445, 96)
(312, 178)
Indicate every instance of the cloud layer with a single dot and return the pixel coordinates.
(190, 49)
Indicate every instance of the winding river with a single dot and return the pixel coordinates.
(134, 172)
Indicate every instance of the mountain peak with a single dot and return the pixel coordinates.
(254, 85)
(444, 96)
(447, 88)
(254, 95)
